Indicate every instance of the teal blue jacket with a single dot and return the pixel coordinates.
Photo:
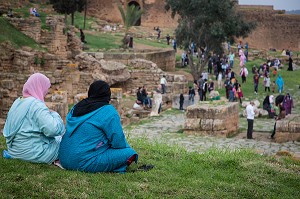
(95, 142)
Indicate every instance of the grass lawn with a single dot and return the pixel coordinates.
(9, 33)
(177, 174)
(106, 41)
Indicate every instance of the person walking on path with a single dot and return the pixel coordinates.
(250, 119)
(279, 83)
(256, 82)
(288, 104)
(163, 83)
(244, 74)
(267, 83)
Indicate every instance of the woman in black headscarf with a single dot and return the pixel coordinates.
(94, 140)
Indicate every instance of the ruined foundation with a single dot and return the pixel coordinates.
(216, 118)
(288, 129)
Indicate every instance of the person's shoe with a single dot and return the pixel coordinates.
(145, 167)
(57, 163)
(270, 137)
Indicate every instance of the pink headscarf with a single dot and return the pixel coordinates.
(36, 86)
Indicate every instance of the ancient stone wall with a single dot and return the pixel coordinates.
(164, 59)
(29, 26)
(154, 12)
(274, 29)
(147, 73)
(288, 129)
(56, 39)
(217, 118)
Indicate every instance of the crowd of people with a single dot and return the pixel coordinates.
(92, 145)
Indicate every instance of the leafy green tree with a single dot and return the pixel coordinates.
(68, 7)
(207, 23)
(129, 16)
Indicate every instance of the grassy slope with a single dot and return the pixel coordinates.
(11, 34)
(177, 174)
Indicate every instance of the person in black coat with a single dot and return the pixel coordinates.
(290, 64)
(181, 100)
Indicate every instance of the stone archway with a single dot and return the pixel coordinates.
(130, 3)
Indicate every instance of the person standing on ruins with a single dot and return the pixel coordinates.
(163, 83)
(168, 39)
(250, 119)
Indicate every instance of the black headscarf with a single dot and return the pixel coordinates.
(266, 100)
(98, 96)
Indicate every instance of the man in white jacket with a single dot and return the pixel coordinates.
(250, 118)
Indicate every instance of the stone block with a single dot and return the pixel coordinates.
(7, 84)
(99, 56)
(192, 124)
(215, 119)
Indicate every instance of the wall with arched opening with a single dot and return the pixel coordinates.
(139, 5)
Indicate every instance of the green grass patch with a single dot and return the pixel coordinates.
(153, 43)
(102, 41)
(177, 174)
(8, 33)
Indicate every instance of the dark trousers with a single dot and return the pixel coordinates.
(200, 91)
(267, 88)
(255, 87)
(243, 79)
(163, 88)
(250, 129)
(181, 106)
(274, 131)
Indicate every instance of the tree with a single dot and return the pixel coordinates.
(207, 23)
(129, 16)
(68, 7)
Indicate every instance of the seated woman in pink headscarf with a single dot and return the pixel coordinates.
(32, 131)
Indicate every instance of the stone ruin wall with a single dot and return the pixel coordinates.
(274, 29)
(208, 119)
(55, 39)
(30, 26)
(154, 12)
(164, 59)
(288, 129)
(145, 72)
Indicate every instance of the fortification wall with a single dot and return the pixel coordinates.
(154, 12)
(274, 30)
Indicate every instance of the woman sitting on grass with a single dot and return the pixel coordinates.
(32, 131)
(94, 140)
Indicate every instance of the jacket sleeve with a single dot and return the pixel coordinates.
(49, 123)
(114, 132)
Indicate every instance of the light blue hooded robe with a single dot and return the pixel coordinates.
(31, 129)
(95, 142)
(280, 83)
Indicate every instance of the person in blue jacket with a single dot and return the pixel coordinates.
(94, 140)
(32, 131)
